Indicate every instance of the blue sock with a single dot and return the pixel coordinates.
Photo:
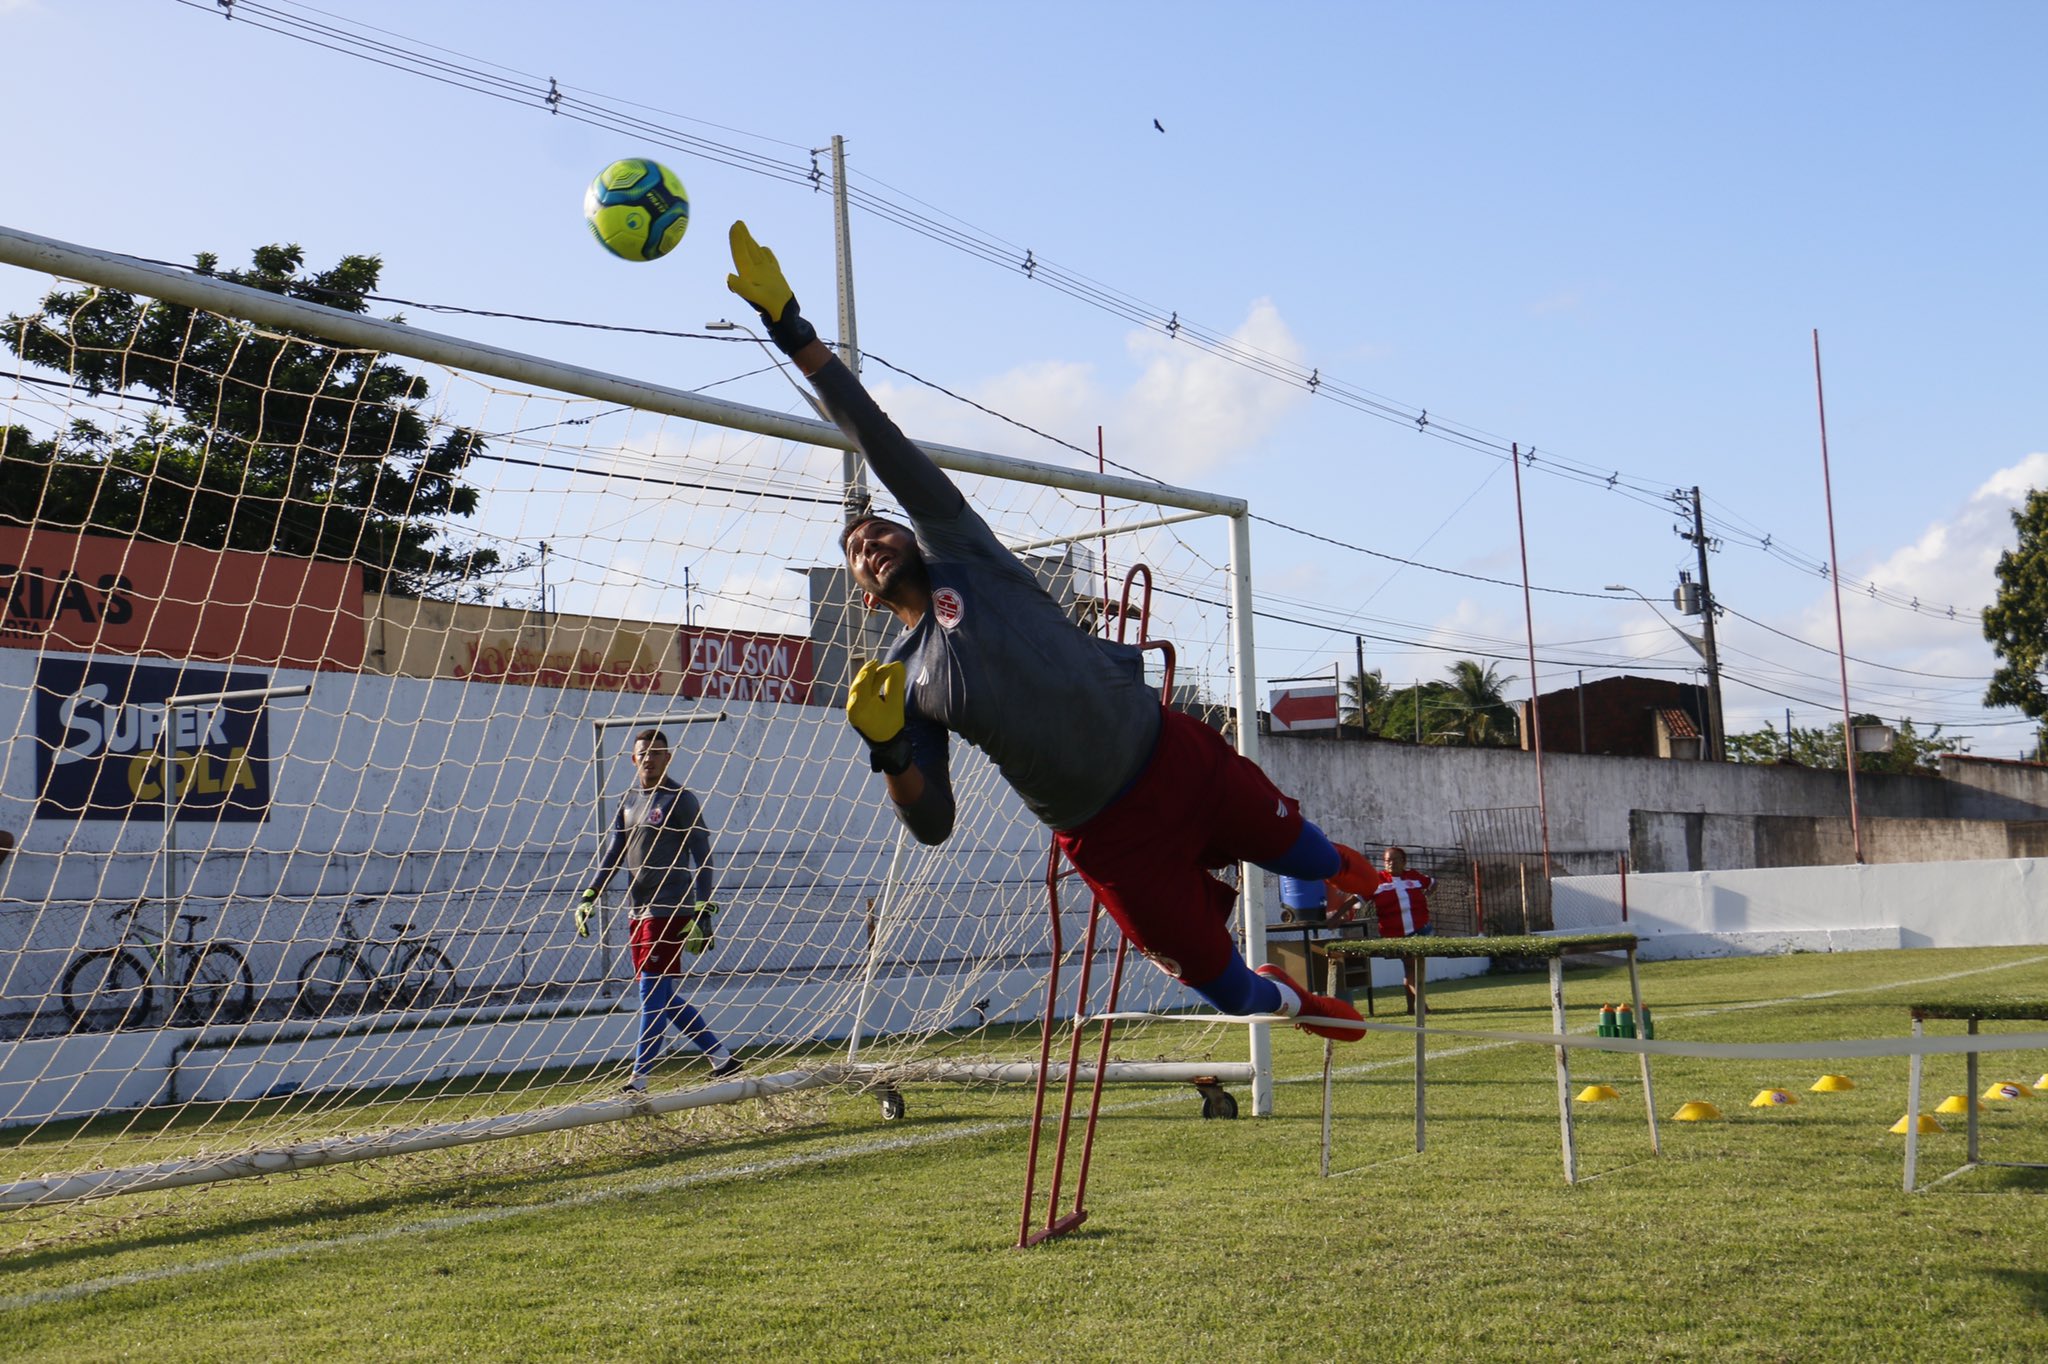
(1312, 858)
(657, 993)
(1239, 991)
(683, 1016)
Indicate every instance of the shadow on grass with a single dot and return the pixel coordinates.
(431, 1192)
(2032, 1284)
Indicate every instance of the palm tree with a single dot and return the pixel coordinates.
(1365, 697)
(1476, 704)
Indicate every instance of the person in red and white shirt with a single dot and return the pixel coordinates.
(1399, 899)
(1402, 897)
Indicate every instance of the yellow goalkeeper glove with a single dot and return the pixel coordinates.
(874, 705)
(757, 278)
(701, 935)
(583, 910)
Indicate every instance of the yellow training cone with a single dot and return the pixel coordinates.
(1927, 1124)
(1831, 1084)
(2009, 1089)
(2041, 1083)
(1772, 1098)
(1956, 1103)
(1597, 1094)
(1696, 1110)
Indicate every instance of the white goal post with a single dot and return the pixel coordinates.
(451, 769)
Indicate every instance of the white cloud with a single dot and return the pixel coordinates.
(1952, 562)
(1186, 413)
(1192, 412)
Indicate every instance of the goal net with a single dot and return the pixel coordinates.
(326, 640)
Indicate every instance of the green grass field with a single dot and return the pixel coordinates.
(1778, 1234)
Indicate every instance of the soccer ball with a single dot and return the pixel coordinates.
(637, 209)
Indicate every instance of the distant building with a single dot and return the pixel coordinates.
(1643, 717)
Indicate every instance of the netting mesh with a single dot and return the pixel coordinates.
(417, 615)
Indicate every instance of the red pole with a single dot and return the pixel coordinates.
(1529, 624)
(1052, 987)
(1835, 573)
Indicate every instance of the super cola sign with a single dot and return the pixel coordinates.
(738, 665)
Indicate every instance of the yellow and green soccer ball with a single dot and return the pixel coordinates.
(637, 209)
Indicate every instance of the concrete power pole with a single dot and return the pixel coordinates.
(1717, 742)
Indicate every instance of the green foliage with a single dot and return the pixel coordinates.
(1469, 710)
(2017, 622)
(265, 441)
(1364, 699)
(1911, 752)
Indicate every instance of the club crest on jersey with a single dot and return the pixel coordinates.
(655, 813)
(948, 607)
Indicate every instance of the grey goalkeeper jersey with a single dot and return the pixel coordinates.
(1067, 718)
(661, 836)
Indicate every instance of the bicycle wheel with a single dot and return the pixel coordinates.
(426, 981)
(106, 989)
(218, 989)
(328, 985)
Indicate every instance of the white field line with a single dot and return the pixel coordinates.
(595, 1197)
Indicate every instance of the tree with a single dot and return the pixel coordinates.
(1413, 714)
(1477, 706)
(2017, 622)
(1911, 752)
(1365, 697)
(269, 442)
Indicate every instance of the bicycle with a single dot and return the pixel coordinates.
(406, 972)
(109, 988)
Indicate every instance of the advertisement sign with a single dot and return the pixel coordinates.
(102, 739)
(109, 595)
(742, 666)
(506, 658)
(1310, 706)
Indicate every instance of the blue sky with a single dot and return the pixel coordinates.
(1605, 230)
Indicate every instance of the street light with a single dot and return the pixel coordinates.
(726, 325)
(1694, 640)
(1705, 649)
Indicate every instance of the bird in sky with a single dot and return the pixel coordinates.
(1160, 126)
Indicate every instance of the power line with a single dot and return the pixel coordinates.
(411, 56)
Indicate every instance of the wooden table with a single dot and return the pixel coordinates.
(1550, 948)
(1972, 1012)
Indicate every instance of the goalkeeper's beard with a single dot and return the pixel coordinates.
(903, 581)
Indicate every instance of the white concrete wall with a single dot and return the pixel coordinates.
(1817, 909)
(1367, 790)
(469, 809)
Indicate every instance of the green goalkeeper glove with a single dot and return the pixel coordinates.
(583, 910)
(874, 705)
(702, 933)
(757, 278)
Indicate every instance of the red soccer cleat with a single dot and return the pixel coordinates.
(1317, 1006)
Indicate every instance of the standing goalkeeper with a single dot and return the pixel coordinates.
(660, 835)
(1145, 802)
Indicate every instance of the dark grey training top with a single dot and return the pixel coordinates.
(1067, 718)
(659, 834)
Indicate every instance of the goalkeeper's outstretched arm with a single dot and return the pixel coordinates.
(920, 485)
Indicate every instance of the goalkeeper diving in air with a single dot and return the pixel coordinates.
(1145, 802)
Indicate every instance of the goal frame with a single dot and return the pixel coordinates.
(64, 260)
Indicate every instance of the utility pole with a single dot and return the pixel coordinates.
(853, 473)
(1364, 730)
(1717, 741)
